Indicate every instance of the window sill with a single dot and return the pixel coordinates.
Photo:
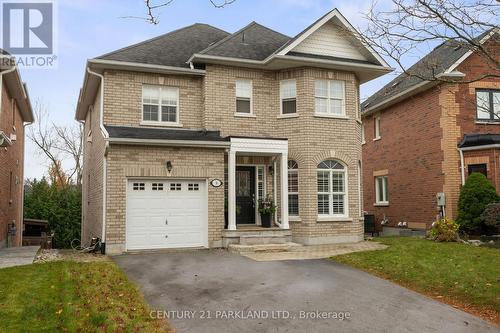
(285, 116)
(381, 204)
(487, 122)
(377, 138)
(245, 115)
(326, 219)
(294, 219)
(160, 124)
(330, 116)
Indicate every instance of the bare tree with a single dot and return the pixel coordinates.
(58, 144)
(411, 28)
(152, 8)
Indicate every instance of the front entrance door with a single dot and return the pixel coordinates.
(245, 195)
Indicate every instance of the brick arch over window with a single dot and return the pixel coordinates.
(297, 157)
(334, 155)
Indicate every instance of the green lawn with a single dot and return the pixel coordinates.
(69, 296)
(463, 275)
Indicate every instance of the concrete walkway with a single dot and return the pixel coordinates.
(315, 251)
(17, 256)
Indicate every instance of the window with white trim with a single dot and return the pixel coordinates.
(329, 97)
(363, 133)
(288, 96)
(157, 186)
(381, 190)
(331, 189)
(160, 104)
(261, 183)
(293, 188)
(488, 104)
(193, 187)
(377, 127)
(244, 96)
(175, 186)
(138, 186)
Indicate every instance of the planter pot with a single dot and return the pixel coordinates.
(266, 220)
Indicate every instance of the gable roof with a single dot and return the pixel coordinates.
(255, 42)
(171, 49)
(443, 59)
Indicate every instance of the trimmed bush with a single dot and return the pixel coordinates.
(491, 215)
(444, 230)
(475, 195)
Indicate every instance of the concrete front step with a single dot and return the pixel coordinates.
(263, 248)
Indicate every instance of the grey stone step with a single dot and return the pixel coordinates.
(264, 248)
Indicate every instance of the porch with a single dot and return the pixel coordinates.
(256, 169)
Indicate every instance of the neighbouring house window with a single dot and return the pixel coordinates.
(160, 104)
(381, 190)
(377, 127)
(481, 168)
(293, 188)
(244, 96)
(261, 179)
(488, 104)
(331, 188)
(288, 96)
(330, 97)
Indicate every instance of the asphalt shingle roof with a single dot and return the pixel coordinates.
(124, 132)
(171, 49)
(436, 62)
(255, 42)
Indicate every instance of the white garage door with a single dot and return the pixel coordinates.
(166, 214)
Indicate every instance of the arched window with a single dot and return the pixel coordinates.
(331, 188)
(293, 188)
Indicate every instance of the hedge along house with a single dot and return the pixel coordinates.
(196, 122)
(423, 138)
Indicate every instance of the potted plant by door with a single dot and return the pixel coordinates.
(266, 209)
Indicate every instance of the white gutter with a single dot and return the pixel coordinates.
(101, 104)
(146, 67)
(1, 84)
(177, 143)
(495, 145)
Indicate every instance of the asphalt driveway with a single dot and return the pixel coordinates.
(216, 291)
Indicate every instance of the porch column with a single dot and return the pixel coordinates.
(284, 191)
(231, 200)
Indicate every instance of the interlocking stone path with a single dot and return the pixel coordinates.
(315, 251)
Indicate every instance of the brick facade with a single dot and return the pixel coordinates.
(209, 102)
(11, 170)
(418, 147)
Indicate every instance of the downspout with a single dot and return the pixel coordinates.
(106, 136)
(1, 84)
(82, 215)
(462, 171)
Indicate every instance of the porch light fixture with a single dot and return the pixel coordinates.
(271, 170)
(169, 166)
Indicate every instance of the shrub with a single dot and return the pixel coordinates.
(444, 230)
(491, 215)
(61, 206)
(475, 195)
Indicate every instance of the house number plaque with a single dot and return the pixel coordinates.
(216, 182)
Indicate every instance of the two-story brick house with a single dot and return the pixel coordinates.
(196, 122)
(422, 137)
(15, 113)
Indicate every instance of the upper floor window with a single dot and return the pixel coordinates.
(377, 127)
(330, 97)
(488, 104)
(160, 104)
(244, 96)
(293, 188)
(331, 189)
(288, 96)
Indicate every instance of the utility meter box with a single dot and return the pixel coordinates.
(441, 199)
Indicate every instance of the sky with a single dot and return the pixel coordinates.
(89, 28)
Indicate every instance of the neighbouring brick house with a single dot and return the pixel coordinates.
(422, 138)
(196, 122)
(15, 113)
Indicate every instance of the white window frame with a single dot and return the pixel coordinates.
(377, 128)
(159, 122)
(296, 172)
(385, 184)
(284, 115)
(330, 192)
(328, 100)
(243, 114)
